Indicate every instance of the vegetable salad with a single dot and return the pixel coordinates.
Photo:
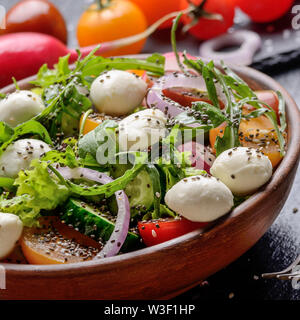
(114, 154)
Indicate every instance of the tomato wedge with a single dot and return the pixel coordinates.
(158, 231)
(57, 243)
(257, 132)
(186, 97)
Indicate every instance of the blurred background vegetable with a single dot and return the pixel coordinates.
(207, 28)
(108, 20)
(156, 9)
(36, 16)
(264, 10)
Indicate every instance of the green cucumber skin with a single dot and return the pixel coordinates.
(90, 223)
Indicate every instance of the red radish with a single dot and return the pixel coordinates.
(22, 54)
(201, 157)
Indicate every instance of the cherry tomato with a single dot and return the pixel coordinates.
(117, 20)
(155, 232)
(206, 28)
(270, 98)
(264, 10)
(256, 129)
(186, 97)
(39, 245)
(36, 16)
(156, 9)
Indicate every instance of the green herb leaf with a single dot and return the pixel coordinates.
(6, 132)
(31, 128)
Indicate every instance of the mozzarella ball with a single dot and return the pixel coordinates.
(117, 92)
(19, 107)
(19, 155)
(242, 169)
(200, 198)
(11, 228)
(142, 129)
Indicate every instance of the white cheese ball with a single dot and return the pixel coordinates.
(200, 198)
(19, 155)
(242, 169)
(11, 228)
(19, 107)
(117, 92)
(142, 129)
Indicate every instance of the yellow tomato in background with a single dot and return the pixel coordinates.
(117, 19)
(156, 9)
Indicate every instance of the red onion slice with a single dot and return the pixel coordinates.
(156, 99)
(118, 236)
(201, 158)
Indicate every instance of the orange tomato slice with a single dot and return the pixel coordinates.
(57, 243)
(255, 133)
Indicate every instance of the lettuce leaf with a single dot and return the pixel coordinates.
(36, 190)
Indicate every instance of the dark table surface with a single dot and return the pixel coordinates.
(281, 244)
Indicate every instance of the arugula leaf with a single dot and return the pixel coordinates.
(107, 189)
(164, 212)
(156, 187)
(173, 42)
(226, 142)
(5, 131)
(30, 127)
(215, 115)
(208, 75)
(153, 64)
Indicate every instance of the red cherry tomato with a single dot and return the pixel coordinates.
(264, 10)
(186, 96)
(270, 98)
(206, 28)
(155, 232)
(36, 16)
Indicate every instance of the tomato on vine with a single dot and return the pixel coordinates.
(208, 26)
(264, 10)
(156, 9)
(107, 20)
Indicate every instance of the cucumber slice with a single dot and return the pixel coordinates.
(139, 191)
(94, 223)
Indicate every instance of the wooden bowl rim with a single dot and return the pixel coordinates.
(287, 164)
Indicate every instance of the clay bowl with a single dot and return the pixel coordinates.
(168, 269)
